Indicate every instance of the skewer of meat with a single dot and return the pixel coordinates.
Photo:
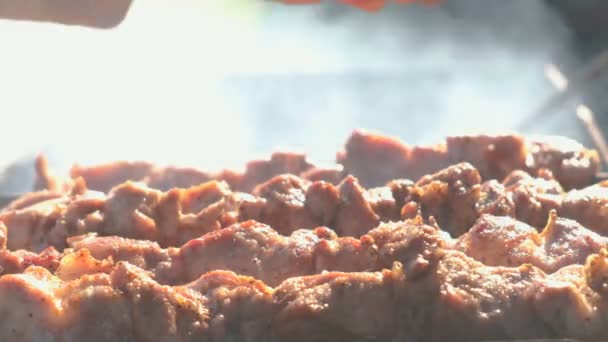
(123, 302)
(455, 197)
(256, 250)
(374, 160)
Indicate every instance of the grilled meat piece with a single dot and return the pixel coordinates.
(18, 261)
(144, 254)
(355, 215)
(589, 206)
(533, 198)
(257, 250)
(450, 197)
(377, 159)
(105, 177)
(456, 202)
(291, 203)
(168, 178)
(285, 203)
(504, 241)
(260, 171)
(571, 163)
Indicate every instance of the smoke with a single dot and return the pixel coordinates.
(204, 84)
(417, 72)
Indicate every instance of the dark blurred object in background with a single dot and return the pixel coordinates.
(588, 20)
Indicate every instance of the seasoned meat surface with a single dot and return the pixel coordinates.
(450, 197)
(285, 203)
(504, 241)
(355, 215)
(589, 206)
(572, 164)
(533, 198)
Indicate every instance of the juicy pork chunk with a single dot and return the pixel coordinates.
(504, 241)
(589, 206)
(449, 196)
(533, 198)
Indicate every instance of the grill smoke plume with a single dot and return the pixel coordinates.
(191, 84)
(417, 72)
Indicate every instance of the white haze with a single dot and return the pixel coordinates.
(183, 82)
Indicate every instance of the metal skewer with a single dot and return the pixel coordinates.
(585, 115)
(566, 88)
(588, 118)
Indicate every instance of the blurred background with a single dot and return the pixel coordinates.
(215, 83)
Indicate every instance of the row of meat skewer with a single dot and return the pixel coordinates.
(508, 242)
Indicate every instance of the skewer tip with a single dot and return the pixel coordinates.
(556, 77)
(584, 113)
